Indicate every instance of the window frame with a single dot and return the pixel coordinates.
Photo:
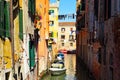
(51, 23)
(62, 36)
(62, 30)
(63, 44)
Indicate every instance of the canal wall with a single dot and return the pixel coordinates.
(43, 73)
(82, 71)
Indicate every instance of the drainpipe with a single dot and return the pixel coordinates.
(12, 37)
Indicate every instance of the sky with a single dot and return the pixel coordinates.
(66, 7)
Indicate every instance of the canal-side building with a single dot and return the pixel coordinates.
(42, 28)
(29, 53)
(102, 36)
(66, 36)
(17, 38)
(111, 58)
(93, 40)
(5, 46)
(24, 31)
(17, 55)
(81, 32)
(53, 29)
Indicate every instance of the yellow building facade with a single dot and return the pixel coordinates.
(53, 23)
(53, 28)
(6, 39)
(1, 53)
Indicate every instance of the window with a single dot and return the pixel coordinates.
(36, 35)
(1, 18)
(111, 59)
(31, 54)
(51, 23)
(62, 36)
(7, 76)
(62, 29)
(21, 24)
(6, 19)
(99, 55)
(71, 29)
(96, 8)
(71, 44)
(104, 57)
(71, 37)
(31, 9)
(14, 2)
(63, 44)
(107, 9)
(82, 5)
(51, 34)
(111, 74)
(51, 12)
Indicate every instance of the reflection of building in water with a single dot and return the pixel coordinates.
(60, 77)
(70, 64)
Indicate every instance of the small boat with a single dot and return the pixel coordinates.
(57, 67)
(64, 51)
(71, 52)
(60, 56)
(57, 71)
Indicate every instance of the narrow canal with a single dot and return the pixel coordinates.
(71, 72)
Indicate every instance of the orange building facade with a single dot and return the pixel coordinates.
(42, 24)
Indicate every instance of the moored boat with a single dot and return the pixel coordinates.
(57, 71)
(57, 67)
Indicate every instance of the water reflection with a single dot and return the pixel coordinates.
(60, 77)
(73, 71)
(82, 72)
(70, 77)
(70, 65)
(51, 77)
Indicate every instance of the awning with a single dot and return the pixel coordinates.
(63, 50)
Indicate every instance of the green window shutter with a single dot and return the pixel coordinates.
(7, 19)
(52, 34)
(31, 9)
(21, 24)
(33, 6)
(51, 11)
(1, 18)
(31, 54)
(29, 5)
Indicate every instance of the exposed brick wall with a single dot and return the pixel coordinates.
(116, 29)
(112, 42)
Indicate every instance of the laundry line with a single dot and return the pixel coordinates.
(65, 16)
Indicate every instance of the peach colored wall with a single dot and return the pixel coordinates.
(42, 7)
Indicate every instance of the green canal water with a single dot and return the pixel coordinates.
(72, 72)
(70, 65)
(50, 77)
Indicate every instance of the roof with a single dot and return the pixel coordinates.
(54, 5)
(66, 23)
